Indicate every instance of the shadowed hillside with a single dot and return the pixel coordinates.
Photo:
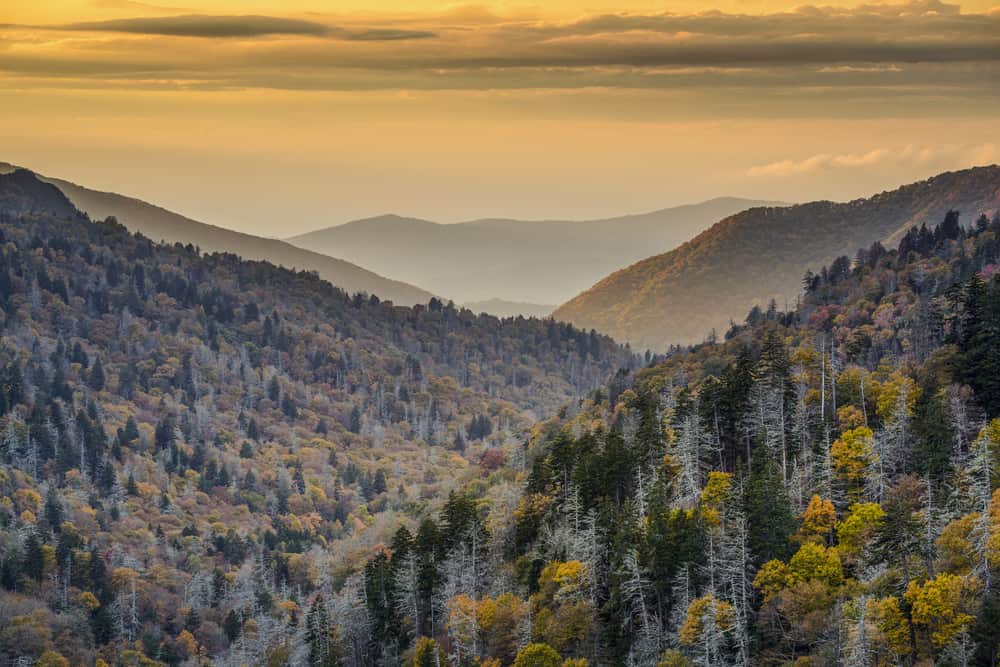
(760, 254)
(160, 224)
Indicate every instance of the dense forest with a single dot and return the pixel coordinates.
(212, 461)
(194, 447)
(819, 487)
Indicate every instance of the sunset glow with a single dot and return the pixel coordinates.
(330, 111)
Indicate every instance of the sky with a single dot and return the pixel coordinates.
(276, 118)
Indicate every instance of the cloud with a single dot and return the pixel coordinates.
(134, 5)
(194, 25)
(910, 155)
(224, 27)
(821, 162)
(913, 8)
(380, 34)
(926, 47)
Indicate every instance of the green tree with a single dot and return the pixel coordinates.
(96, 381)
(932, 428)
(53, 509)
(321, 636)
(232, 626)
(769, 512)
(354, 425)
(34, 557)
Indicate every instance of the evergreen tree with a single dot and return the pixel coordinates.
(978, 326)
(932, 428)
(379, 482)
(34, 557)
(232, 626)
(53, 509)
(354, 424)
(96, 381)
(274, 389)
(769, 513)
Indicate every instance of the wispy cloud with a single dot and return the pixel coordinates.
(906, 156)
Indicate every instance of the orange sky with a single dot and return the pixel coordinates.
(276, 118)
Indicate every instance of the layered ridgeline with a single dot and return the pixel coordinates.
(195, 447)
(819, 487)
(160, 224)
(760, 254)
(531, 262)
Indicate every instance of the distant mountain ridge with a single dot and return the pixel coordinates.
(161, 224)
(501, 308)
(521, 261)
(763, 253)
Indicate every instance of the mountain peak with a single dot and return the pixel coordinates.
(21, 191)
(20, 187)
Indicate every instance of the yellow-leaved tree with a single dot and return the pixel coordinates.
(538, 655)
(714, 496)
(562, 612)
(892, 626)
(802, 591)
(851, 455)
(818, 521)
(708, 620)
(858, 528)
(941, 607)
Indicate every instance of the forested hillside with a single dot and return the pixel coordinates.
(818, 487)
(213, 461)
(760, 254)
(196, 449)
(159, 224)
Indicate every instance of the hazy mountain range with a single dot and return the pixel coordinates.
(763, 253)
(160, 224)
(530, 262)
(758, 251)
(502, 308)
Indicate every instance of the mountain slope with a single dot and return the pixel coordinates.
(759, 254)
(160, 224)
(219, 441)
(544, 261)
(22, 194)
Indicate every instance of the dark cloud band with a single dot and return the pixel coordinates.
(910, 46)
(227, 27)
(203, 26)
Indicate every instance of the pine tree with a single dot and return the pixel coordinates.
(53, 509)
(274, 389)
(232, 626)
(96, 381)
(354, 424)
(33, 564)
(932, 429)
(769, 513)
